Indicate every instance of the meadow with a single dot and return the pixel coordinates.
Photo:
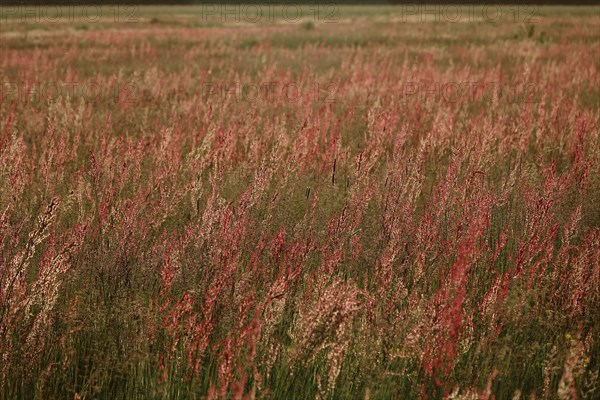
(346, 203)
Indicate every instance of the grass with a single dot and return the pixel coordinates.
(366, 235)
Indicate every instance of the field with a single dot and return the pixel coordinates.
(346, 203)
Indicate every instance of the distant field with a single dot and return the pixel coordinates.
(295, 202)
(263, 14)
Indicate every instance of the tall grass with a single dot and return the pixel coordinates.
(368, 236)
